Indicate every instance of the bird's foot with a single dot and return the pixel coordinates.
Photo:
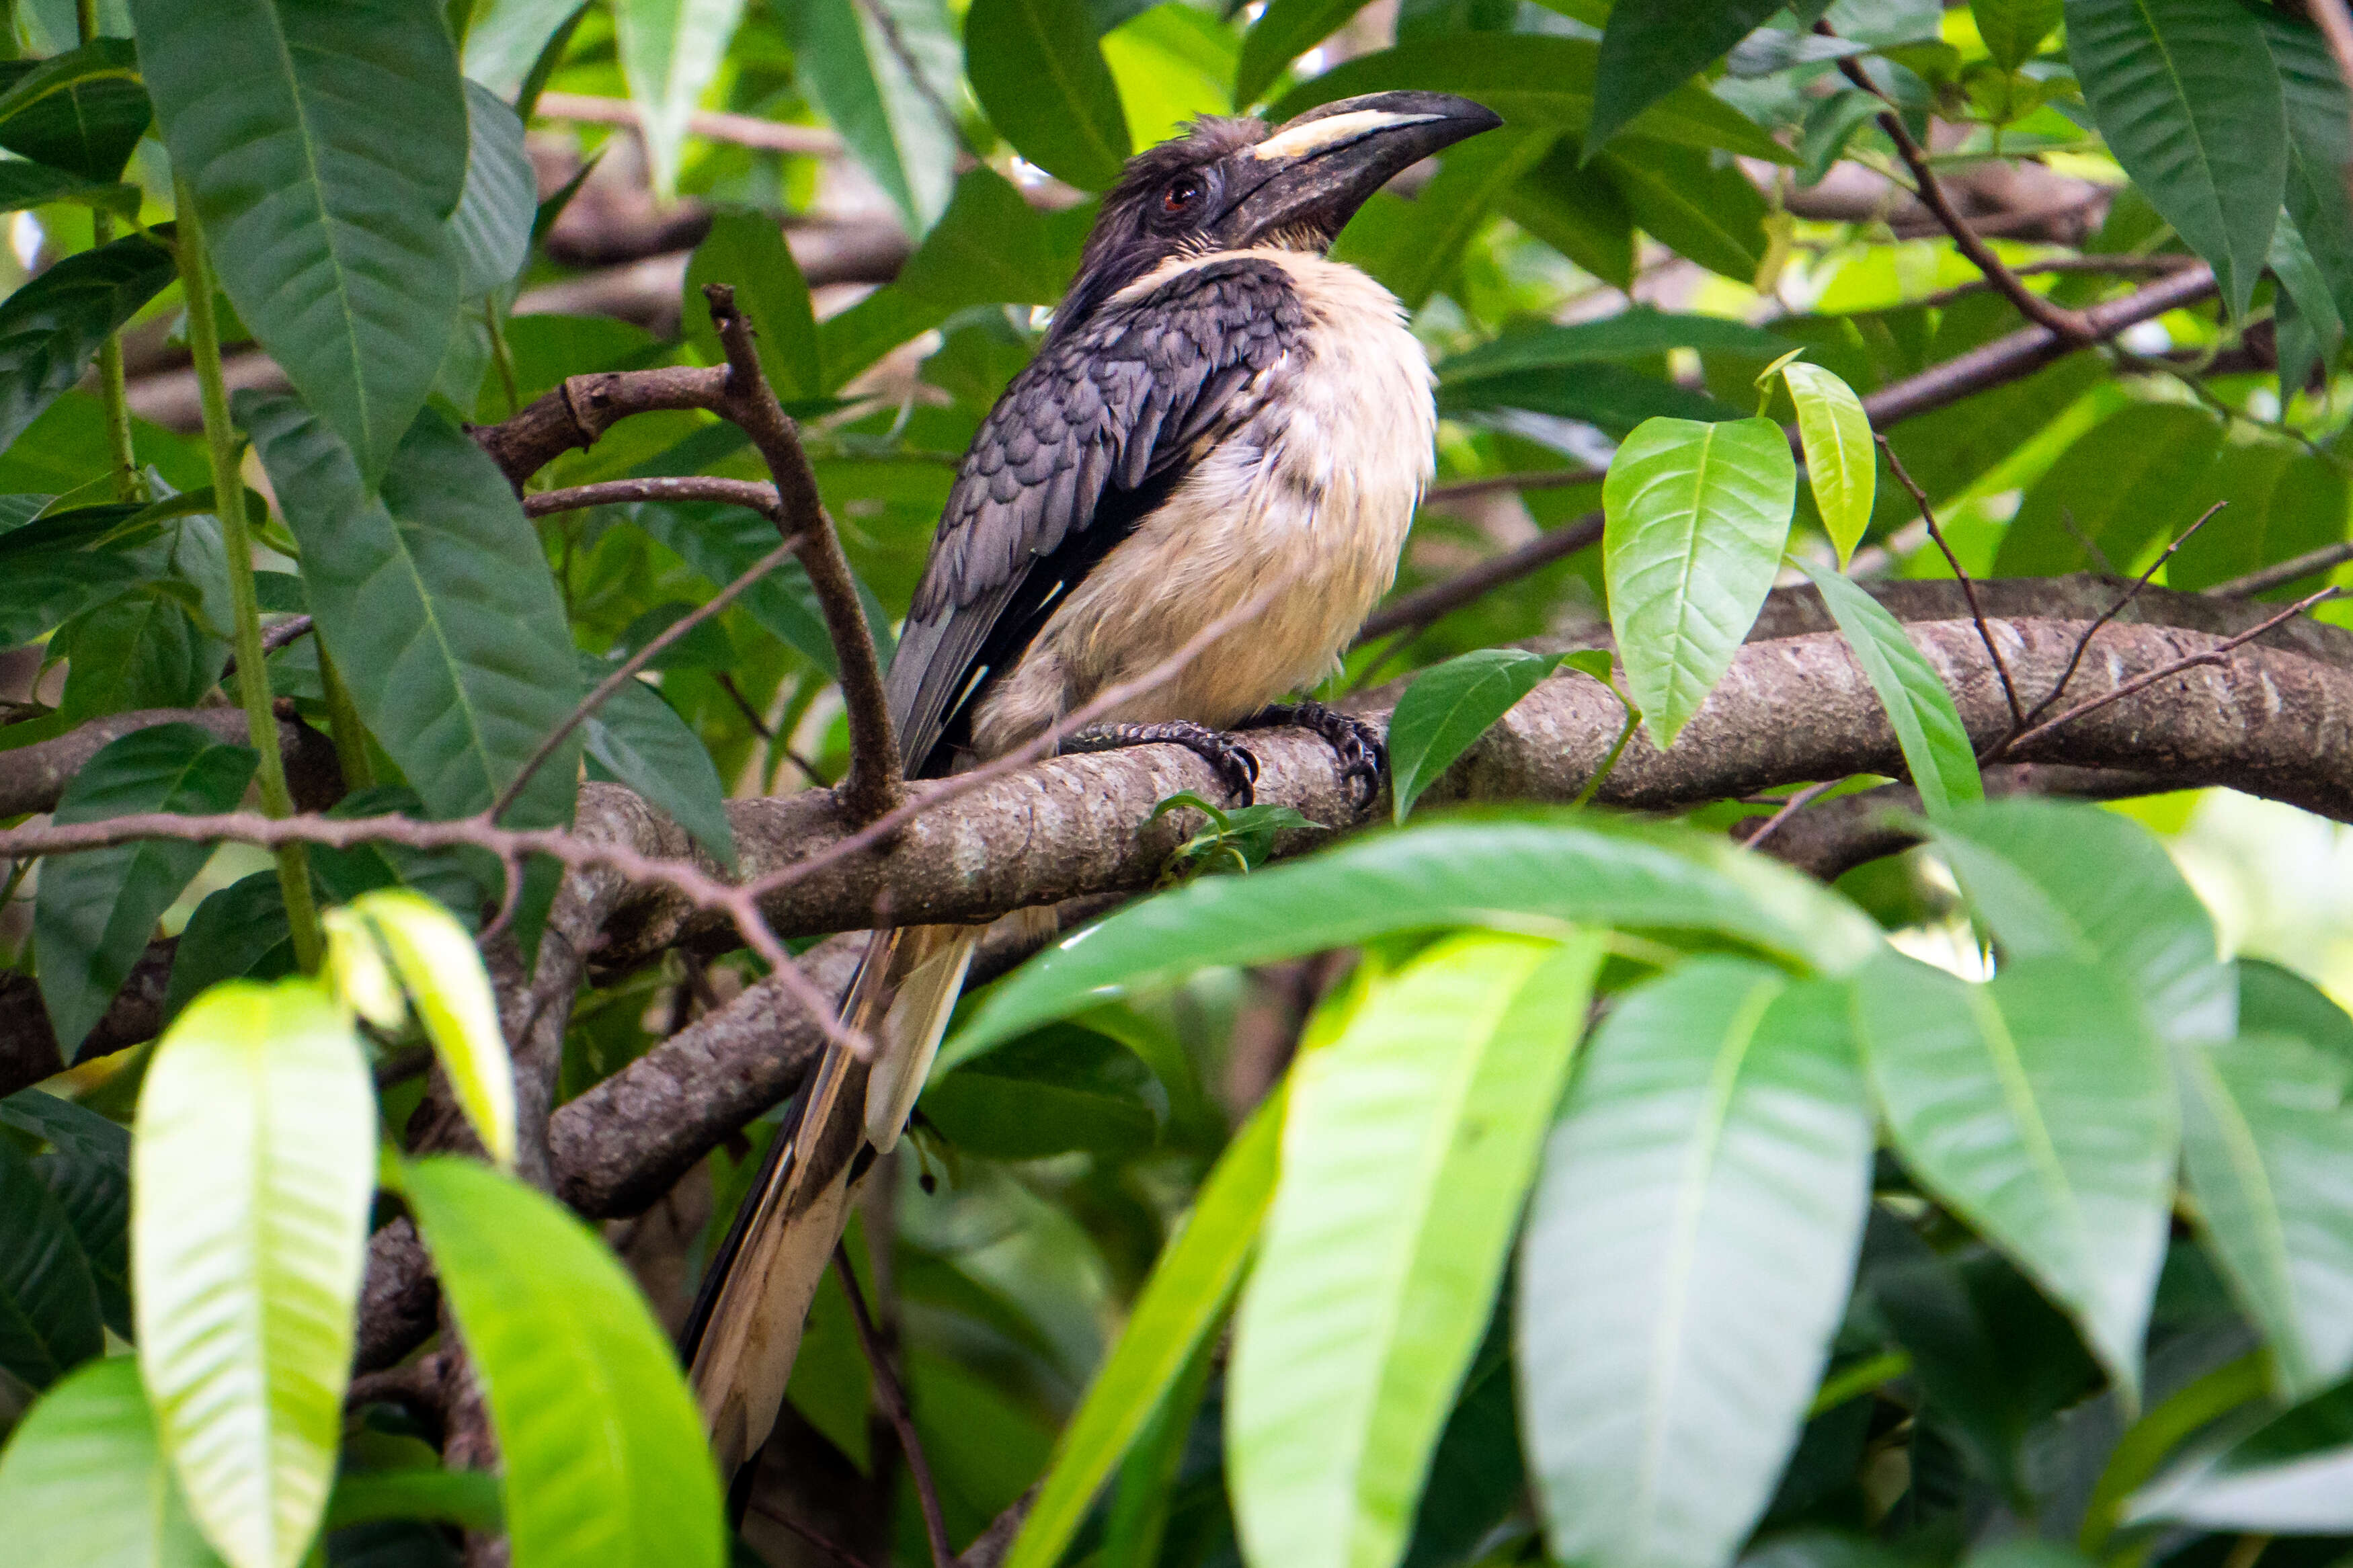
(1362, 747)
(1237, 769)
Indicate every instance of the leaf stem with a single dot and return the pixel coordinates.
(245, 605)
(344, 725)
(1617, 749)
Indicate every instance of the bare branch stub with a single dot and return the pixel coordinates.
(575, 414)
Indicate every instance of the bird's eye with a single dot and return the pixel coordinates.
(1182, 192)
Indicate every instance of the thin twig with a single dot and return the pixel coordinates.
(645, 655)
(290, 629)
(2086, 543)
(742, 704)
(2075, 659)
(1968, 588)
(839, 1553)
(895, 1406)
(761, 499)
(2284, 573)
(1790, 808)
(2214, 655)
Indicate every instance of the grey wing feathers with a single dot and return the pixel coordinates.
(1106, 408)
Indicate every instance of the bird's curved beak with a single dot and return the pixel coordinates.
(1313, 173)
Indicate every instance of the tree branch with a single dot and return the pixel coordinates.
(33, 777)
(761, 499)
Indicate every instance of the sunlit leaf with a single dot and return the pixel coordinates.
(891, 116)
(1284, 31)
(747, 252)
(2014, 30)
(1035, 69)
(1936, 748)
(82, 1481)
(1447, 708)
(670, 50)
(1841, 463)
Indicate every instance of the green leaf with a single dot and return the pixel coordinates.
(253, 1167)
(1841, 463)
(671, 51)
(889, 118)
(326, 147)
(1686, 1260)
(95, 911)
(1408, 1149)
(1038, 73)
(1180, 1306)
(604, 1456)
(1061, 1089)
(1578, 212)
(1936, 749)
(746, 251)
(1703, 209)
(44, 587)
(1542, 872)
(2065, 878)
(2292, 1474)
(82, 110)
(2319, 147)
(1698, 517)
(237, 931)
(51, 328)
(82, 1480)
(722, 543)
(2037, 1108)
(505, 38)
(1284, 31)
(2264, 1139)
(1531, 79)
(1638, 334)
(489, 232)
(2183, 95)
(2310, 327)
(468, 1498)
(1411, 246)
(1615, 397)
(2130, 480)
(437, 603)
(2283, 502)
(24, 185)
(141, 649)
(48, 1299)
(2014, 30)
(638, 739)
(2274, 1001)
(1447, 708)
(1653, 46)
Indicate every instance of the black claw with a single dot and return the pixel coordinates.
(1236, 767)
(1362, 747)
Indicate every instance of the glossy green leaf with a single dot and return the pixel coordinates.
(49, 1319)
(1542, 872)
(2014, 30)
(1181, 1304)
(1686, 1259)
(96, 912)
(2051, 877)
(82, 1481)
(51, 328)
(889, 117)
(237, 931)
(747, 252)
(1698, 516)
(25, 185)
(1447, 708)
(1841, 462)
(1284, 31)
(1412, 246)
(437, 602)
(603, 1455)
(252, 1171)
(326, 147)
(1653, 46)
(88, 1171)
(81, 110)
(1531, 79)
(2283, 501)
(1615, 397)
(2291, 1476)
(2129, 482)
(489, 232)
(671, 51)
(1061, 1089)
(1706, 209)
(1038, 73)
(1936, 749)
(2266, 1144)
(2036, 1107)
(638, 740)
(1407, 1151)
(2184, 96)
(2319, 145)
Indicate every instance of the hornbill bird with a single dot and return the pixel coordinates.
(1219, 414)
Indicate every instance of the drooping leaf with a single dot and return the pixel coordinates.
(82, 110)
(891, 117)
(1447, 708)
(1698, 515)
(86, 1169)
(1407, 1148)
(82, 1480)
(1686, 1259)
(2293, 1476)
(28, 185)
(2319, 145)
(2311, 329)
(2265, 1139)
(670, 50)
(252, 1170)
(95, 911)
(326, 148)
(1284, 31)
(2014, 30)
(51, 328)
(1035, 69)
(1841, 463)
(49, 1320)
(603, 1455)
(437, 603)
(1061, 1089)
(2036, 1107)
(1180, 1305)
(1653, 46)
(722, 543)
(489, 232)
(747, 252)
(1555, 867)
(1704, 208)
(2129, 481)
(639, 739)
(1936, 748)
(2184, 96)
